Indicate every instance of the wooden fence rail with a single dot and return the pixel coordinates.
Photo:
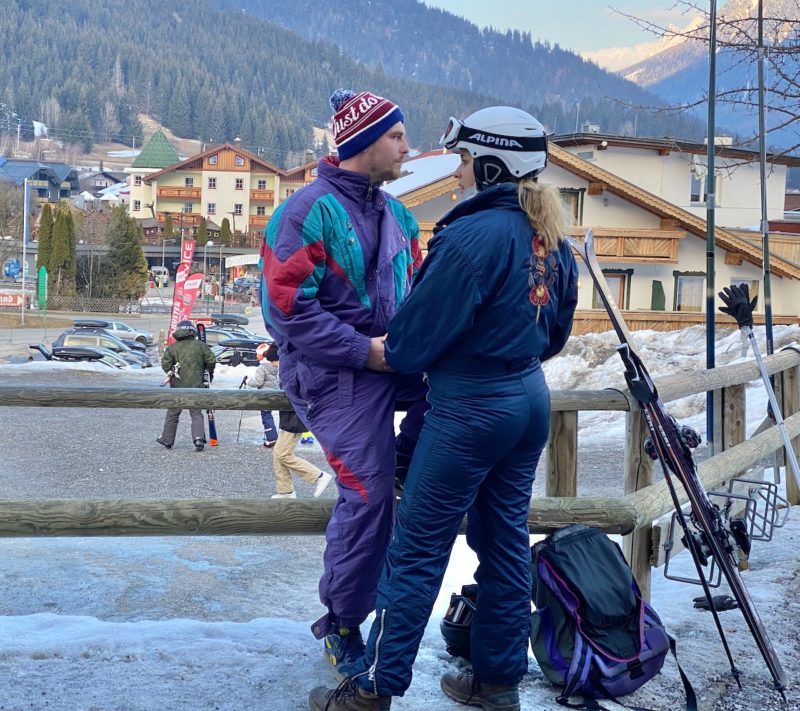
(631, 515)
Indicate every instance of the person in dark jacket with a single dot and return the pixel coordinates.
(494, 298)
(338, 259)
(185, 362)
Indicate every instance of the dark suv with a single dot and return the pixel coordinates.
(132, 352)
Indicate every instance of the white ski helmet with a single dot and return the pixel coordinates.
(261, 351)
(507, 144)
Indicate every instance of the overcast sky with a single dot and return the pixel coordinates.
(556, 20)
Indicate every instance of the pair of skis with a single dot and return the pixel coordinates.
(212, 425)
(705, 528)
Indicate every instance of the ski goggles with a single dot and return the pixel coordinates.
(458, 132)
(455, 132)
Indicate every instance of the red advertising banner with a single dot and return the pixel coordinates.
(191, 288)
(181, 274)
(10, 298)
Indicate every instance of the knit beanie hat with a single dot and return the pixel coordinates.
(361, 119)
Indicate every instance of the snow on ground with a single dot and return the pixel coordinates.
(133, 624)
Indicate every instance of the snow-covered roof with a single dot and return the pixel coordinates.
(423, 171)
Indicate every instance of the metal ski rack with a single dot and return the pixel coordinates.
(765, 514)
(714, 576)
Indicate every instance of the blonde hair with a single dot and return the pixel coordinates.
(543, 207)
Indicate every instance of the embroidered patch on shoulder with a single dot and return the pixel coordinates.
(541, 275)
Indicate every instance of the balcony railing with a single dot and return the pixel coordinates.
(170, 192)
(268, 195)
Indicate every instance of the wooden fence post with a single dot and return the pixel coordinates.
(790, 390)
(637, 546)
(562, 454)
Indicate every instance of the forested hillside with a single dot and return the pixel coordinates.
(86, 69)
(406, 38)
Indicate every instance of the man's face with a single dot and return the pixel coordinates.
(383, 160)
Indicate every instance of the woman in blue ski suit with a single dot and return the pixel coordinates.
(494, 298)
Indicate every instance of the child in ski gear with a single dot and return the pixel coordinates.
(266, 376)
(190, 359)
(504, 285)
(338, 258)
(284, 459)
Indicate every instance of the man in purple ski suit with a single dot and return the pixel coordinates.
(338, 258)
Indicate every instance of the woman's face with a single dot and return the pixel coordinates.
(464, 173)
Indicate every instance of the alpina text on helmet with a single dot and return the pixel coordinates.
(490, 140)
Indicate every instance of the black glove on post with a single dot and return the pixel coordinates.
(738, 304)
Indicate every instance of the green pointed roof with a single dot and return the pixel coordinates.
(157, 153)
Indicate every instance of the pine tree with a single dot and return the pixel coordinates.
(202, 232)
(125, 269)
(45, 238)
(59, 255)
(225, 231)
(168, 228)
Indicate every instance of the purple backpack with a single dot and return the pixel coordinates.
(592, 633)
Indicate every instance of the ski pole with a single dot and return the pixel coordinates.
(241, 414)
(739, 305)
(787, 443)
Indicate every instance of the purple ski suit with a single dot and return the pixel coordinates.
(338, 258)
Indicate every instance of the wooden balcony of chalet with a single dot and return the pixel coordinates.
(258, 222)
(179, 193)
(634, 244)
(262, 195)
(182, 219)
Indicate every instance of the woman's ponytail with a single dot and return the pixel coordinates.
(543, 207)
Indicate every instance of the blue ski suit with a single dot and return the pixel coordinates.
(483, 312)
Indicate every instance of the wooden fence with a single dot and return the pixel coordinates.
(635, 515)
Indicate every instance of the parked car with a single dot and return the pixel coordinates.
(160, 276)
(237, 351)
(236, 323)
(242, 285)
(119, 329)
(215, 335)
(84, 354)
(132, 352)
(131, 343)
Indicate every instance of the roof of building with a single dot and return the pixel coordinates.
(423, 170)
(17, 169)
(601, 141)
(682, 219)
(196, 161)
(156, 153)
(300, 170)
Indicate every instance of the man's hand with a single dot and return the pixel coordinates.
(738, 304)
(376, 358)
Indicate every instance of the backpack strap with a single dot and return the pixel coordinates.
(582, 661)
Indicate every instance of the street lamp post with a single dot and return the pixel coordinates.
(205, 256)
(221, 280)
(233, 226)
(206, 293)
